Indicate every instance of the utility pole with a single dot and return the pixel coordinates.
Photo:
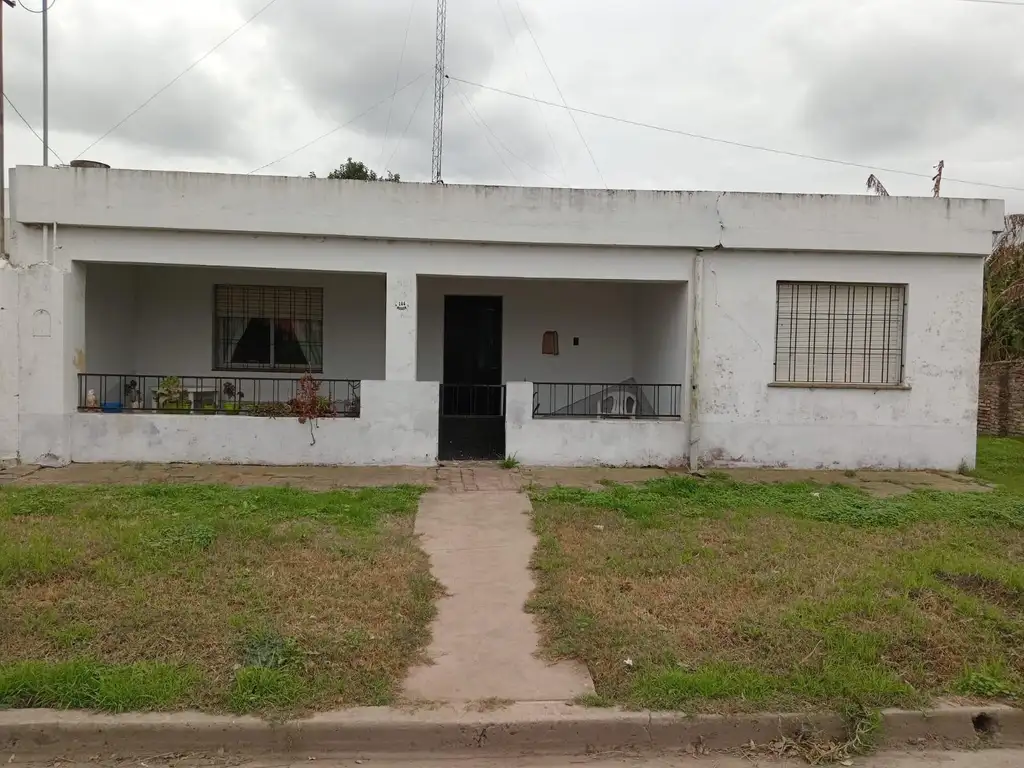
(3, 164)
(439, 83)
(46, 87)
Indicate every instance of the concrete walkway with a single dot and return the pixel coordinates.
(484, 642)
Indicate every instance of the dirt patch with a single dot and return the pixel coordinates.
(987, 589)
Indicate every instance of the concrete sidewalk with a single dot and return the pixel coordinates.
(484, 642)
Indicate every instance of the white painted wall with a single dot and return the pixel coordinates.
(480, 214)
(659, 333)
(111, 318)
(600, 314)
(743, 420)
(398, 426)
(588, 442)
(156, 320)
(9, 360)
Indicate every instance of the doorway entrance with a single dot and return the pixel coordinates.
(472, 398)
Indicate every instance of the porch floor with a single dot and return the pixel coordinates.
(457, 477)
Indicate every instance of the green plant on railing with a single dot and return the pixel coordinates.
(234, 397)
(171, 395)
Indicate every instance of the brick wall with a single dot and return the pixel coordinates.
(1001, 398)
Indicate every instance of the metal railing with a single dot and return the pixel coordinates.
(252, 396)
(623, 400)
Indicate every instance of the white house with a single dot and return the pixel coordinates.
(151, 316)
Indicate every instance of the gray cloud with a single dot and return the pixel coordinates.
(102, 66)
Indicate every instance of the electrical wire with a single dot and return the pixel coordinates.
(337, 128)
(415, 109)
(398, 73)
(992, 2)
(29, 126)
(502, 144)
(180, 75)
(729, 142)
(45, 9)
(533, 91)
(469, 111)
(551, 74)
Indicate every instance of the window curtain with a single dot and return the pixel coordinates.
(232, 330)
(310, 335)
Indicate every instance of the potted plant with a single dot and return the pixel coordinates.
(171, 395)
(233, 396)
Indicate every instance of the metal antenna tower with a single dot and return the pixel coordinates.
(439, 83)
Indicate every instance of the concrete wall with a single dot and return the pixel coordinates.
(931, 423)
(478, 214)
(8, 362)
(159, 320)
(587, 442)
(114, 327)
(660, 345)
(398, 425)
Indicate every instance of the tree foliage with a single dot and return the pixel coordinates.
(1002, 325)
(358, 171)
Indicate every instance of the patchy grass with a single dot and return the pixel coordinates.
(1001, 461)
(162, 597)
(710, 595)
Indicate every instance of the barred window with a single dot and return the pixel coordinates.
(839, 333)
(270, 328)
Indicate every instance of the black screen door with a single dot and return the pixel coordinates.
(472, 396)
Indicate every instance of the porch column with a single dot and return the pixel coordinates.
(51, 341)
(400, 343)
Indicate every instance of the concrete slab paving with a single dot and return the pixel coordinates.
(484, 643)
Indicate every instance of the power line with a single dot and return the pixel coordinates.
(533, 91)
(337, 128)
(469, 111)
(401, 138)
(480, 118)
(398, 73)
(729, 142)
(551, 74)
(180, 75)
(29, 126)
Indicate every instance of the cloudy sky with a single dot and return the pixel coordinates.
(898, 84)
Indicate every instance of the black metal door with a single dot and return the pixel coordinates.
(472, 397)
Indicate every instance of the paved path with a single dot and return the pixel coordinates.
(483, 641)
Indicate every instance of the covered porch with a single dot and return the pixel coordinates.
(556, 371)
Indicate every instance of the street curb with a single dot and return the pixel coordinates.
(521, 728)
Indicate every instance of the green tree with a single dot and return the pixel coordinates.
(1002, 323)
(358, 171)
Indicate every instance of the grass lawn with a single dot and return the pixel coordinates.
(162, 597)
(709, 595)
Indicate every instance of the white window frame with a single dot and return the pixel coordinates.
(840, 334)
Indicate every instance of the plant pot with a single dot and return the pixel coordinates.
(112, 407)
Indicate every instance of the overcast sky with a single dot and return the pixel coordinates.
(895, 83)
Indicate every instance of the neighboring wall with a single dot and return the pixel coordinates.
(1001, 398)
(931, 423)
